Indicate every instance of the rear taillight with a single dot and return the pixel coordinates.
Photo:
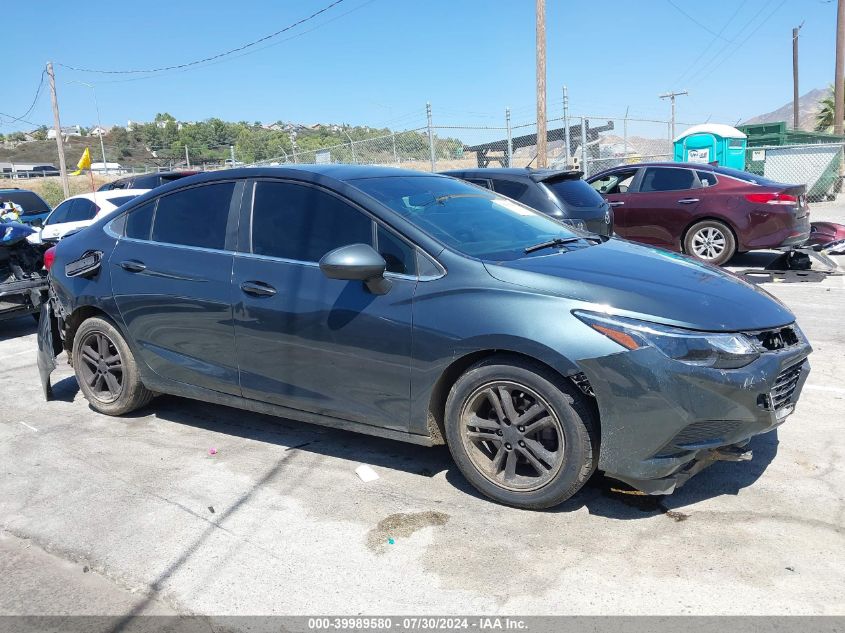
(772, 198)
(49, 257)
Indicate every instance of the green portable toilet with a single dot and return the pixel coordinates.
(711, 143)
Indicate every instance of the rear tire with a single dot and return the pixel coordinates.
(106, 370)
(711, 242)
(536, 447)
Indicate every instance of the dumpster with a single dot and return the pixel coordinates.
(711, 143)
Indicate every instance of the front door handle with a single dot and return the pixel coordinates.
(616, 203)
(258, 289)
(687, 200)
(133, 266)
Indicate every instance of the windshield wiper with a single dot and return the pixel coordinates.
(559, 241)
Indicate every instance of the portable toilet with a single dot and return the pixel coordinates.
(711, 143)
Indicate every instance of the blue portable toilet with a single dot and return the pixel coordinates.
(711, 142)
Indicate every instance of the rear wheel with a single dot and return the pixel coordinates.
(520, 434)
(106, 370)
(710, 241)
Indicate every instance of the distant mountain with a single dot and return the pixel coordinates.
(808, 106)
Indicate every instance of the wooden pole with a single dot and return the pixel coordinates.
(795, 122)
(58, 125)
(838, 87)
(541, 83)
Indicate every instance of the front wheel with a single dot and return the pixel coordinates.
(520, 433)
(106, 370)
(710, 241)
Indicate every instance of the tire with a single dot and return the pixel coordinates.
(106, 370)
(710, 241)
(563, 439)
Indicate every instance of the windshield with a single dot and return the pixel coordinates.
(468, 219)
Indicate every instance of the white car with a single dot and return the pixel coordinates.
(79, 211)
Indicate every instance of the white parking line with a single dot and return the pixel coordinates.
(823, 388)
(31, 428)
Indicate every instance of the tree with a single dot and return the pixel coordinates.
(40, 134)
(164, 116)
(824, 117)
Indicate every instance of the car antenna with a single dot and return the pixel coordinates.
(528, 166)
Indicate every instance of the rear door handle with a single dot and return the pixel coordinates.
(616, 203)
(133, 266)
(687, 200)
(258, 289)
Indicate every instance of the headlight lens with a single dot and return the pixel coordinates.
(704, 349)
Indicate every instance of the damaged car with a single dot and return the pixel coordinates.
(23, 280)
(421, 308)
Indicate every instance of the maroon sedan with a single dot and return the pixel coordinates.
(708, 212)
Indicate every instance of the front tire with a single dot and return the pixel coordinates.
(711, 242)
(521, 434)
(106, 369)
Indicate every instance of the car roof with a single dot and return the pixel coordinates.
(107, 195)
(340, 172)
(666, 163)
(534, 175)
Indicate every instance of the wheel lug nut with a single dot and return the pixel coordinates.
(521, 443)
(499, 432)
(508, 447)
(521, 429)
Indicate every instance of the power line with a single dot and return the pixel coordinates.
(32, 105)
(694, 21)
(205, 59)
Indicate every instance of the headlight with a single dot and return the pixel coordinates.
(705, 349)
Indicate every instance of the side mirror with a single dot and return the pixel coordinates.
(357, 262)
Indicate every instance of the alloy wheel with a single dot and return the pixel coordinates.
(512, 436)
(102, 367)
(708, 243)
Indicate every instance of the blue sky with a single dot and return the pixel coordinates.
(377, 62)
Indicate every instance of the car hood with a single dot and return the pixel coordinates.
(648, 283)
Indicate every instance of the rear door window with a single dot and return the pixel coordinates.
(139, 222)
(194, 217)
(575, 193)
(82, 210)
(59, 214)
(510, 188)
(30, 202)
(302, 223)
(707, 178)
(657, 179)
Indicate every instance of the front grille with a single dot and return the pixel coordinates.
(698, 435)
(778, 339)
(784, 387)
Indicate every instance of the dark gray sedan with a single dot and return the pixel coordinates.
(421, 308)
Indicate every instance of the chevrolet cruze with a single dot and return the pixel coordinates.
(422, 308)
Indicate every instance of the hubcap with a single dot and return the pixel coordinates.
(512, 436)
(101, 368)
(708, 243)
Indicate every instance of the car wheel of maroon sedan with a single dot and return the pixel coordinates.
(711, 242)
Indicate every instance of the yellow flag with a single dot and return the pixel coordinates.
(84, 162)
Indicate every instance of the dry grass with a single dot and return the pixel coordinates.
(51, 188)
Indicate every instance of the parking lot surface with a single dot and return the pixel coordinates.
(103, 515)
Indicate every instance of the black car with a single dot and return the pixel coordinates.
(422, 308)
(558, 193)
(34, 209)
(146, 181)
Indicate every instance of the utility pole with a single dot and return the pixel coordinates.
(671, 96)
(232, 154)
(541, 83)
(58, 124)
(838, 87)
(795, 76)
(510, 136)
(566, 123)
(187, 158)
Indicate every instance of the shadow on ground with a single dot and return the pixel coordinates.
(21, 326)
(601, 496)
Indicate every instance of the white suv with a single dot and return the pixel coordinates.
(79, 211)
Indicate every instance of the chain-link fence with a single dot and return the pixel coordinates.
(586, 143)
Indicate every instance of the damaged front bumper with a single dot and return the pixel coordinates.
(21, 296)
(663, 421)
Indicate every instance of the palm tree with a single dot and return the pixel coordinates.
(824, 116)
